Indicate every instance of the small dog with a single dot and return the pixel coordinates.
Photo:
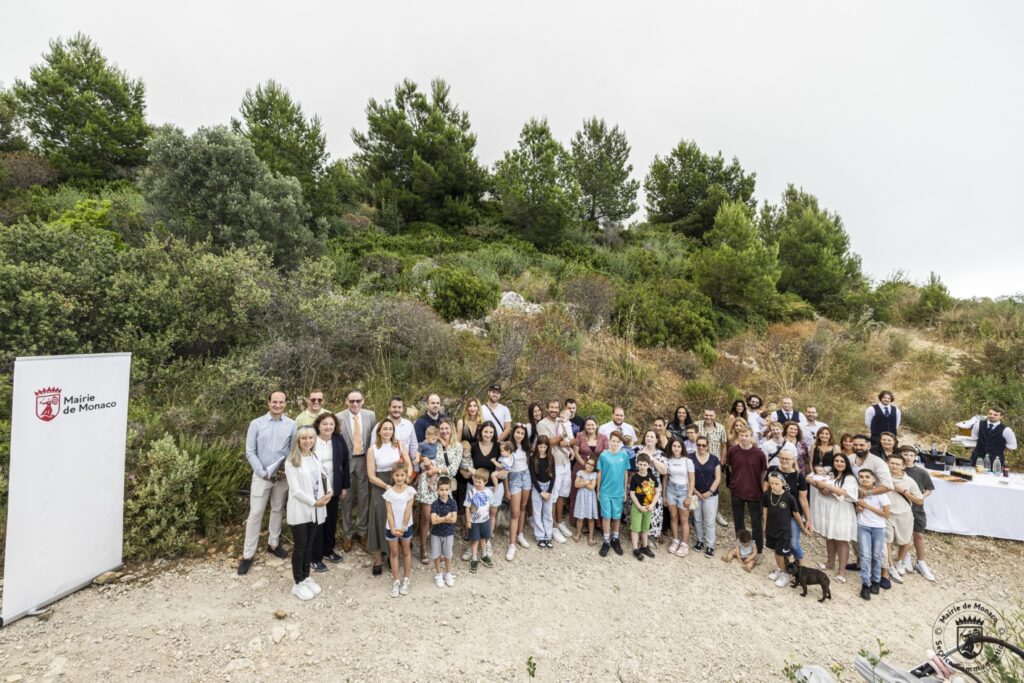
(808, 576)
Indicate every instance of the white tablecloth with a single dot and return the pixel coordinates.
(982, 507)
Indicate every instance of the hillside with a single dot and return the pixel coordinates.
(240, 258)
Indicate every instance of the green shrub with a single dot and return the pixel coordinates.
(222, 473)
(899, 345)
(599, 410)
(457, 293)
(665, 313)
(161, 510)
(932, 414)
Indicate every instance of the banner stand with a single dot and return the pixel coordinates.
(69, 425)
(41, 609)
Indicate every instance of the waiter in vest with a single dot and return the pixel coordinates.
(787, 414)
(994, 438)
(882, 417)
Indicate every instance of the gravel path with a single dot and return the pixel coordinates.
(579, 617)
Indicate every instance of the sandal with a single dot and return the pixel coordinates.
(840, 578)
(424, 559)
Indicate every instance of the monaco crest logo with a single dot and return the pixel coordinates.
(48, 403)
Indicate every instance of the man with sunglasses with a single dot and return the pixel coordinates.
(356, 425)
(314, 406)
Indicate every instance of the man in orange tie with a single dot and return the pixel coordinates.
(356, 426)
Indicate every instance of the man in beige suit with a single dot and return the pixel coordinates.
(356, 427)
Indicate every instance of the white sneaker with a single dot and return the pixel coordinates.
(924, 570)
(782, 581)
(674, 546)
(467, 554)
(404, 589)
(511, 553)
(773, 574)
(557, 535)
(302, 591)
(395, 587)
(488, 549)
(683, 550)
(895, 575)
(449, 579)
(439, 580)
(900, 569)
(521, 540)
(721, 520)
(564, 528)
(313, 585)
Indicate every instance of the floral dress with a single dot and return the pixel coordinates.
(447, 462)
(657, 514)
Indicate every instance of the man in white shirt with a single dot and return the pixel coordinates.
(811, 427)
(496, 413)
(882, 417)
(758, 425)
(558, 429)
(788, 414)
(405, 431)
(994, 438)
(618, 423)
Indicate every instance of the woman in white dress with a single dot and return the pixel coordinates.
(838, 519)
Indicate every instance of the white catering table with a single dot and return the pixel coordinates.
(982, 507)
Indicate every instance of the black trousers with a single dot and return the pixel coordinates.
(303, 536)
(323, 544)
(754, 508)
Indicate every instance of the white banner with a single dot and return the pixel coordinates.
(69, 418)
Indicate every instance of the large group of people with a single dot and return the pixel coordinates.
(786, 474)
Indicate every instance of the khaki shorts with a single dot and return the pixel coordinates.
(899, 528)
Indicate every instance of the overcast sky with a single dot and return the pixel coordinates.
(904, 117)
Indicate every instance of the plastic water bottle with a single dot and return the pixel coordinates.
(988, 463)
(997, 466)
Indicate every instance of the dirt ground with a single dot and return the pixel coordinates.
(579, 617)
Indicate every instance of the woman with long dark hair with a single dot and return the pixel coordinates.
(838, 519)
(680, 418)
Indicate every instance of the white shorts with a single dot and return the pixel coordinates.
(563, 481)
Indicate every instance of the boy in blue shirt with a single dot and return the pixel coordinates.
(612, 470)
(444, 512)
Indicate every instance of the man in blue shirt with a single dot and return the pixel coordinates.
(266, 446)
(431, 418)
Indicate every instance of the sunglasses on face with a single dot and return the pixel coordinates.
(355, 400)
(316, 400)
(702, 445)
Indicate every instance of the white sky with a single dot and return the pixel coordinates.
(904, 117)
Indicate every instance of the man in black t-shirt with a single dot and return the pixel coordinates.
(780, 506)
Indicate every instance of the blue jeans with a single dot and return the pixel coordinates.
(871, 546)
(794, 535)
(704, 520)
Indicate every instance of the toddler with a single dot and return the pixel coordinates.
(745, 550)
(428, 454)
(503, 463)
